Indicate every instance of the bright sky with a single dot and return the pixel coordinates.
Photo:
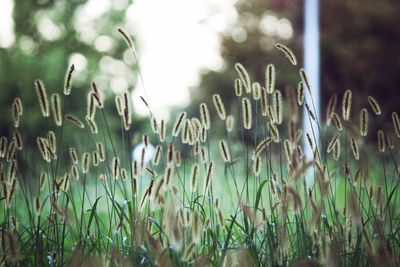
(176, 40)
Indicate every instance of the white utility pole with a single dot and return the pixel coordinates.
(311, 65)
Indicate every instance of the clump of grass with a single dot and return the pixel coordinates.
(244, 200)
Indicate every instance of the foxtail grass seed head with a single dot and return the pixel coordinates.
(219, 106)
(310, 141)
(288, 150)
(333, 142)
(38, 206)
(163, 131)
(247, 113)
(203, 134)
(75, 120)
(270, 78)
(118, 105)
(3, 146)
(203, 154)
(336, 150)
(15, 114)
(376, 108)
(145, 139)
(124, 174)
(390, 140)
(264, 102)
(12, 170)
(97, 99)
(364, 122)
(127, 39)
(92, 125)
(381, 141)
(42, 180)
(65, 182)
(346, 105)
(300, 93)
(304, 79)
(115, 168)
(354, 148)
(11, 191)
(42, 96)
(244, 76)
(42, 148)
(101, 151)
(95, 156)
(196, 127)
(256, 91)
(277, 106)
(205, 116)
(18, 140)
(56, 106)
(331, 108)
(396, 123)
(85, 162)
(261, 146)
(257, 166)
(154, 125)
(68, 80)
(157, 155)
(238, 87)
(188, 133)
(273, 131)
(170, 154)
(337, 121)
(288, 53)
(19, 106)
(230, 122)
(178, 158)
(127, 118)
(209, 173)
(11, 151)
(74, 155)
(75, 172)
(169, 171)
(224, 150)
(178, 124)
(91, 108)
(52, 143)
(194, 174)
(196, 227)
(151, 172)
(135, 169)
(312, 115)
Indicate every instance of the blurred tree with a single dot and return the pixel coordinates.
(358, 51)
(51, 35)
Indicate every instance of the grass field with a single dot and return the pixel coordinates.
(246, 198)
